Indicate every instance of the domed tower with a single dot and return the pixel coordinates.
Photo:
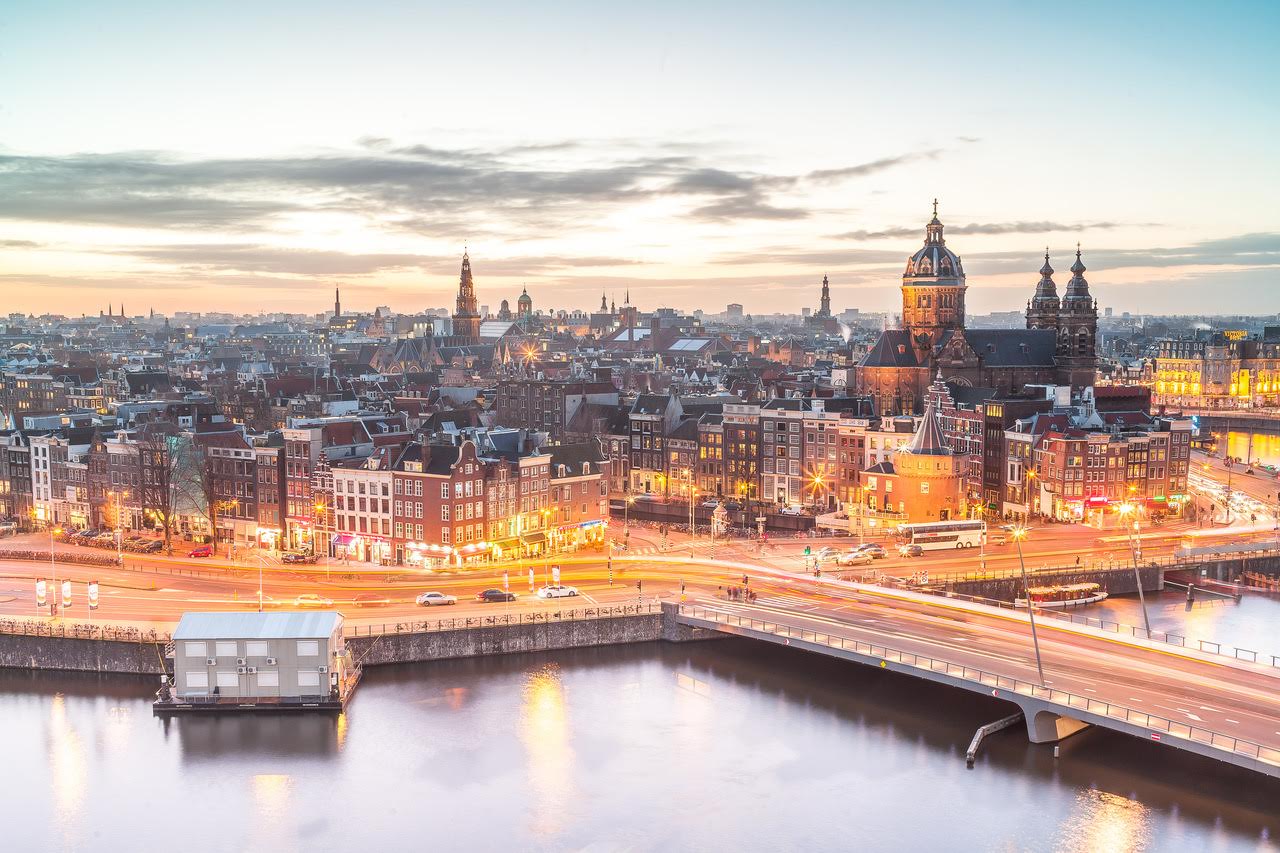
(933, 285)
(466, 317)
(1042, 310)
(1077, 353)
(524, 307)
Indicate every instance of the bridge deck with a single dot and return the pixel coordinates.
(1224, 710)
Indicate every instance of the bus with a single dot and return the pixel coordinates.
(944, 534)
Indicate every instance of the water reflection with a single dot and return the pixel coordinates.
(67, 765)
(214, 737)
(712, 746)
(544, 730)
(1102, 821)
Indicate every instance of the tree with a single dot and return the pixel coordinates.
(173, 477)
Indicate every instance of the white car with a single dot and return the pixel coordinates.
(855, 557)
(791, 510)
(557, 591)
(430, 599)
(824, 554)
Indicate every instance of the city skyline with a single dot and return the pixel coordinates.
(680, 168)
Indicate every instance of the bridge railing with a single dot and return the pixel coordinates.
(1180, 640)
(1157, 726)
(540, 617)
(81, 631)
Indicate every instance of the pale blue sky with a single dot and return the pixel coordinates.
(253, 155)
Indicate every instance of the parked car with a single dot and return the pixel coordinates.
(310, 599)
(298, 558)
(854, 557)
(826, 554)
(791, 510)
(201, 551)
(910, 550)
(371, 599)
(875, 549)
(495, 595)
(432, 599)
(557, 592)
(152, 546)
(104, 539)
(86, 534)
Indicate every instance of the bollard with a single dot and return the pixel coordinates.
(1055, 751)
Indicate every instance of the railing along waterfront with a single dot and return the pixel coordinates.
(1158, 726)
(81, 631)
(581, 614)
(1206, 646)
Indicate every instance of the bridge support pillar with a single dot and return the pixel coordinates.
(1048, 727)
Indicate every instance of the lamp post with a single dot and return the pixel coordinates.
(1126, 509)
(119, 496)
(1020, 533)
(322, 516)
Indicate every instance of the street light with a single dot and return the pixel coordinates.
(323, 516)
(1126, 509)
(1020, 533)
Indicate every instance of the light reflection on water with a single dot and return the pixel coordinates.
(544, 731)
(1102, 821)
(705, 746)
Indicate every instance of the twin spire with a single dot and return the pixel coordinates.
(1047, 291)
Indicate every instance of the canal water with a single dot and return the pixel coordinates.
(1254, 446)
(728, 745)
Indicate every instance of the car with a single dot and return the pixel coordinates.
(557, 591)
(310, 599)
(791, 510)
(371, 599)
(431, 599)
(201, 551)
(87, 533)
(854, 557)
(152, 547)
(495, 595)
(104, 538)
(875, 549)
(910, 551)
(298, 558)
(997, 539)
(826, 553)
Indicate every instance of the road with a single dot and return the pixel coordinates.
(1239, 700)
(155, 590)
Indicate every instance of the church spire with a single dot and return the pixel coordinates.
(1078, 287)
(337, 303)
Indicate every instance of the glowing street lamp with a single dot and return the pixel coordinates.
(1127, 509)
(1020, 533)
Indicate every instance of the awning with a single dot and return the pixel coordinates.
(533, 538)
(343, 539)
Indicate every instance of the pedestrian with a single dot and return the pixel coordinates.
(1077, 559)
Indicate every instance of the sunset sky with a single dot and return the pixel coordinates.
(238, 156)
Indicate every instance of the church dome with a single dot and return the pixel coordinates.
(934, 259)
(525, 302)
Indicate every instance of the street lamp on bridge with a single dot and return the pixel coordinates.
(1020, 533)
(1127, 509)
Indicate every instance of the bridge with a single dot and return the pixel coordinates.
(1205, 700)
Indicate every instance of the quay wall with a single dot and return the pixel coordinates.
(143, 657)
(80, 654)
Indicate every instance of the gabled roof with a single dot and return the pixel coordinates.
(1013, 347)
(885, 352)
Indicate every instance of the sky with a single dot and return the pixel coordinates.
(253, 156)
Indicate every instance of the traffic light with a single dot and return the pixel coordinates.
(807, 549)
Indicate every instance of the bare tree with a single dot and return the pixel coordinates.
(174, 479)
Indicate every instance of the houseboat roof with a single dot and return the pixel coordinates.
(257, 626)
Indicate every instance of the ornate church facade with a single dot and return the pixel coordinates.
(1059, 345)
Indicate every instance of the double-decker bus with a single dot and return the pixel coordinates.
(944, 534)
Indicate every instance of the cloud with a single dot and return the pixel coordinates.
(1042, 227)
(18, 244)
(862, 170)
(426, 189)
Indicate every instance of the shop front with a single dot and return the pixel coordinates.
(424, 555)
(362, 548)
(571, 537)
